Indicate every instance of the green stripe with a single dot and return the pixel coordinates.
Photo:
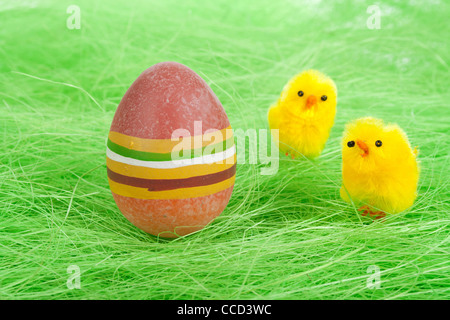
(152, 156)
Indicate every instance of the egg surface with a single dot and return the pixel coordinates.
(171, 159)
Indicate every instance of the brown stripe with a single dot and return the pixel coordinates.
(170, 184)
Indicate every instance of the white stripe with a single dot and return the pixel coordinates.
(211, 158)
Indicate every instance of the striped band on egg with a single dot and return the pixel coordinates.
(144, 169)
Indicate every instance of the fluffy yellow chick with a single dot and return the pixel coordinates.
(304, 114)
(379, 168)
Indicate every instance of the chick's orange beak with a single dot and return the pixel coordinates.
(363, 146)
(312, 100)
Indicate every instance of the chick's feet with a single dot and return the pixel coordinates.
(378, 214)
(287, 155)
(366, 210)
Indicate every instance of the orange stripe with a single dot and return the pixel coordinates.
(167, 145)
(176, 173)
(182, 193)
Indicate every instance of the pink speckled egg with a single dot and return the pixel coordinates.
(171, 159)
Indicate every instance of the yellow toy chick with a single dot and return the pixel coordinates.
(379, 168)
(304, 114)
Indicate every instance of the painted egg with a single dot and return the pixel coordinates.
(171, 159)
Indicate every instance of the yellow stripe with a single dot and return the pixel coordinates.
(176, 173)
(166, 145)
(183, 193)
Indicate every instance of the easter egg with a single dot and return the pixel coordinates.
(171, 159)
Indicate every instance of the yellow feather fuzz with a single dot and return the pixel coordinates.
(379, 166)
(304, 114)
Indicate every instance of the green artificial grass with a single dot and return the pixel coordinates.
(283, 236)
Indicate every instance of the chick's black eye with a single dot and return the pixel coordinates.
(300, 93)
(378, 143)
(351, 144)
(323, 98)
